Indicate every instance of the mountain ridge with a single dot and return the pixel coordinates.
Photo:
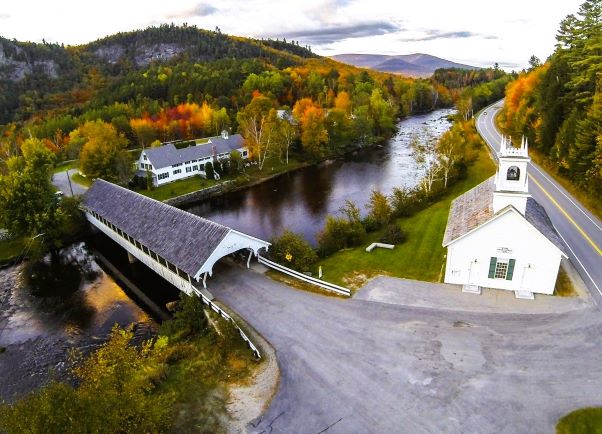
(414, 65)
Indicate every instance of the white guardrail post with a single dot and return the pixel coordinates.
(227, 317)
(312, 280)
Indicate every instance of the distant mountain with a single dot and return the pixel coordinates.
(414, 65)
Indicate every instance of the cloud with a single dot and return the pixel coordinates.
(4, 16)
(327, 35)
(431, 35)
(200, 10)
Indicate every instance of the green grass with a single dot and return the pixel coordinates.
(421, 256)
(583, 421)
(178, 188)
(11, 249)
(66, 165)
(82, 180)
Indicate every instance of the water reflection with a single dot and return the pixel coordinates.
(302, 199)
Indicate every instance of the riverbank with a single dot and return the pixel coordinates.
(421, 256)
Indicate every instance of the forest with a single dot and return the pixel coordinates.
(558, 105)
(170, 82)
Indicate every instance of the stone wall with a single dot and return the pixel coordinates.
(199, 195)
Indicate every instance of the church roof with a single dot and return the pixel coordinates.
(182, 238)
(475, 207)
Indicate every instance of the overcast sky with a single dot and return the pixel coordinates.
(479, 33)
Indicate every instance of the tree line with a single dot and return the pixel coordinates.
(558, 105)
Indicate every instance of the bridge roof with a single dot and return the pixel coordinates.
(182, 238)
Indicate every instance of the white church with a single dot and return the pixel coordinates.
(498, 236)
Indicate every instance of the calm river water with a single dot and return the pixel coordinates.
(301, 200)
(74, 300)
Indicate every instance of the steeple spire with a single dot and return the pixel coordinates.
(511, 181)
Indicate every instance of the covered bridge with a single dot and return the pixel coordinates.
(179, 246)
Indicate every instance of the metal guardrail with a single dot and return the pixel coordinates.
(312, 280)
(227, 317)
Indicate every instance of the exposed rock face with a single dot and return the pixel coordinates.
(144, 54)
(111, 54)
(157, 52)
(14, 66)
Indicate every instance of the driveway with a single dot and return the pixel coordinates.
(359, 366)
(61, 182)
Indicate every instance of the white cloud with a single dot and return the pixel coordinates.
(466, 31)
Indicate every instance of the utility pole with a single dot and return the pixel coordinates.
(69, 179)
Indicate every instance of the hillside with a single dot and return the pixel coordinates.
(32, 75)
(413, 65)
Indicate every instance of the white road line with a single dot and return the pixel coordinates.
(569, 199)
(580, 263)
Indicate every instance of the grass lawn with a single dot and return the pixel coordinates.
(11, 248)
(421, 256)
(81, 180)
(178, 188)
(67, 165)
(583, 421)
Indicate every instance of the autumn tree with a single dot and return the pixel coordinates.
(257, 122)
(286, 134)
(145, 131)
(312, 122)
(103, 154)
(27, 205)
(379, 208)
(425, 153)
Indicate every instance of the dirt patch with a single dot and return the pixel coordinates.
(250, 399)
(358, 279)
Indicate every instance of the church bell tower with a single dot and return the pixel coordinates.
(511, 182)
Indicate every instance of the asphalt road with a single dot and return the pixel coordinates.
(358, 366)
(61, 181)
(579, 228)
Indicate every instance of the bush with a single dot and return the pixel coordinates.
(379, 208)
(291, 250)
(393, 235)
(189, 320)
(370, 224)
(209, 173)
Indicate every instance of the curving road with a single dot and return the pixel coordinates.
(579, 228)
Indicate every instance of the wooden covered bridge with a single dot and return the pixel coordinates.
(179, 246)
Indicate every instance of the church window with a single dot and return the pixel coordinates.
(500, 268)
(513, 173)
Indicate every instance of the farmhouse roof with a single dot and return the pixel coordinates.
(182, 238)
(475, 207)
(168, 155)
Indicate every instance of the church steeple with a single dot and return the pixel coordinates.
(511, 181)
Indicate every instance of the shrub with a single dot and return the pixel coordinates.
(370, 224)
(189, 320)
(292, 250)
(209, 173)
(393, 235)
(379, 208)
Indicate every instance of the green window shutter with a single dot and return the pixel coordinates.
(492, 264)
(510, 272)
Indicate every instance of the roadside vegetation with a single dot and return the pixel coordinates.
(558, 106)
(176, 382)
(582, 421)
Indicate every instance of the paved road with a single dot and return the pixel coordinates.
(579, 228)
(360, 366)
(61, 181)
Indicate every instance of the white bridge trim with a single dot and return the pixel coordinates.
(176, 280)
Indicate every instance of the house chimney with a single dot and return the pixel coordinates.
(225, 134)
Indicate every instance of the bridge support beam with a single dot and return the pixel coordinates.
(249, 258)
(131, 258)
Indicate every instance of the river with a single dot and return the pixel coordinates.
(301, 200)
(74, 300)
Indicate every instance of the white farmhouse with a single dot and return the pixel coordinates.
(498, 236)
(167, 163)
